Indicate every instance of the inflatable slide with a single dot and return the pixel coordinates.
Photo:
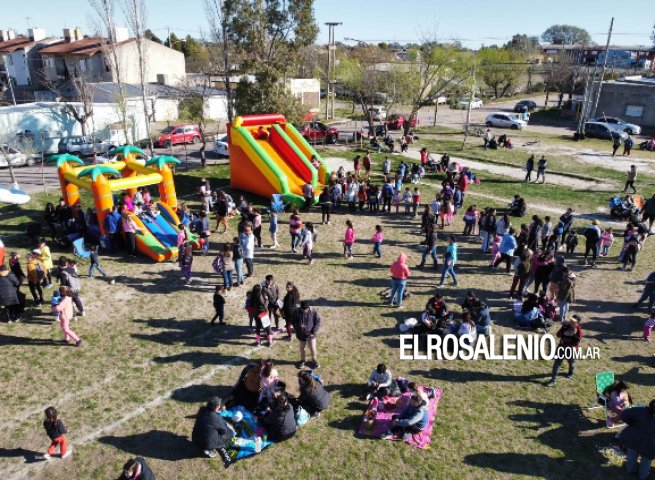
(268, 155)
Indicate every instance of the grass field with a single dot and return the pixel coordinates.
(150, 359)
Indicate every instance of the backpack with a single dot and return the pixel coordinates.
(591, 235)
(302, 417)
(218, 265)
(72, 280)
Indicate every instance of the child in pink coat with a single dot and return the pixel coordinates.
(377, 241)
(348, 240)
(495, 250)
(605, 242)
(648, 326)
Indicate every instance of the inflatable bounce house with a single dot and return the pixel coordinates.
(158, 239)
(269, 156)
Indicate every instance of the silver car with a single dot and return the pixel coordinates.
(17, 158)
(83, 146)
(618, 124)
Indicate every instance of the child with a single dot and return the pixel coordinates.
(54, 301)
(495, 250)
(348, 240)
(396, 199)
(407, 200)
(272, 227)
(95, 262)
(250, 309)
(546, 231)
(219, 305)
(571, 241)
(416, 201)
(307, 236)
(268, 383)
(257, 227)
(377, 241)
(56, 430)
(186, 262)
(606, 241)
(63, 307)
(648, 326)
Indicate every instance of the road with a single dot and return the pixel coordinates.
(32, 179)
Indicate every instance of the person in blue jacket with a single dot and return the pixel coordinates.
(449, 261)
(507, 246)
(413, 419)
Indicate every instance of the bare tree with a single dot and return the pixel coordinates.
(104, 11)
(135, 15)
(83, 96)
(194, 103)
(218, 31)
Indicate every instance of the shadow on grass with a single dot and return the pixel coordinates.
(200, 393)
(29, 456)
(192, 333)
(463, 376)
(198, 359)
(154, 444)
(6, 340)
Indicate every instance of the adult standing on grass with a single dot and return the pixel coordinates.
(592, 236)
(431, 238)
(399, 275)
(357, 165)
(325, 202)
(9, 294)
(529, 166)
(449, 261)
(627, 145)
(507, 246)
(648, 294)
(630, 182)
(34, 277)
(639, 438)
(367, 165)
(295, 225)
(222, 212)
(541, 169)
(565, 293)
(616, 143)
(649, 212)
(248, 245)
(306, 323)
(487, 137)
(65, 310)
(566, 221)
(290, 304)
(570, 334)
(137, 469)
(308, 195)
(46, 259)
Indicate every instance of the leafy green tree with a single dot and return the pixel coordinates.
(175, 43)
(567, 35)
(269, 37)
(523, 43)
(501, 69)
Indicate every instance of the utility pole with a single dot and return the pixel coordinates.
(468, 112)
(330, 67)
(168, 34)
(226, 67)
(602, 72)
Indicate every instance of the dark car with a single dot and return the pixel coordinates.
(317, 132)
(604, 131)
(397, 122)
(525, 104)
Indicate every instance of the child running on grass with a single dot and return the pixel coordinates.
(64, 310)
(56, 430)
(348, 240)
(377, 241)
(186, 262)
(219, 305)
(95, 263)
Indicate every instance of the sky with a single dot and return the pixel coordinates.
(473, 22)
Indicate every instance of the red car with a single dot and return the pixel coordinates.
(178, 134)
(317, 132)
(397, 122)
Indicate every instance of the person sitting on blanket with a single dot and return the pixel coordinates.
(381, 383)
(619, 399)
(425, 394)
(413, 419)
(210, 432)
(280, 421)
(313, 397)
(246, 390)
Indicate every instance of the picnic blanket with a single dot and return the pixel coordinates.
(242, 445)
(393, 407)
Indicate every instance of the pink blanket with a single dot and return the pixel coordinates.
(393, 407)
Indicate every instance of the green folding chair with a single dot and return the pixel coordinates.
(603, 380)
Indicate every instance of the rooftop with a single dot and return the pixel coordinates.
(15, 44)
(85, 47)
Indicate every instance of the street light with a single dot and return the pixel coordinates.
(331, 49)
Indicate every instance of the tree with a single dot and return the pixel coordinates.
(80, 104)
(523, 43)
(149, 34)
(435, 68)
(194, 99)
(219, 47)
(501, 69)
(174, 42)
(269, 37)
(567, 35)
(104, 11)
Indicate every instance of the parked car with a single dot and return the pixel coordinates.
(630, 128)
(315, 132)
(377, 113)
(83, 146)
(505, 120)
(397, 121)
(525, 104)
(220, 147)
(17, 158)
(178, 134)
(476, 104)
(606, 131)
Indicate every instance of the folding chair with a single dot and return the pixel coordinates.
(80, 250)
(603, 380)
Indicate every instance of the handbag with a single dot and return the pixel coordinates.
(265, 319)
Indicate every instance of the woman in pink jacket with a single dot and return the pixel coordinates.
(65, 310)
(399, 275)
(348, 239)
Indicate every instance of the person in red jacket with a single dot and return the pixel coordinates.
(463, 184)
(399, 275)
(570, 334)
